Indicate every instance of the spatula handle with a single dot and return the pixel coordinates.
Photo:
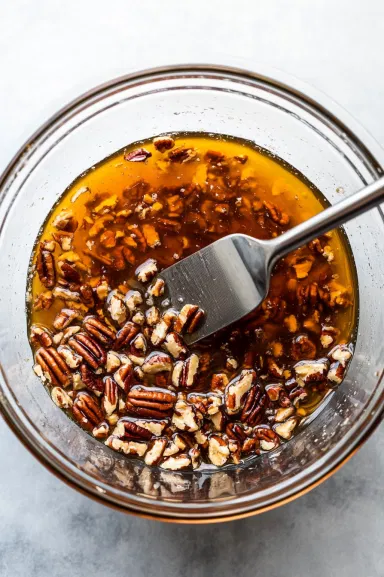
(328, 219)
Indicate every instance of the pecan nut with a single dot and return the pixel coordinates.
(175, 345)
(104, 334)
(267, 437)
(237, 389)
(303, 348)
(185, 373)
(128, 429)
(149, 402)
(55, 370)
(182, 154)
(218, 450)
(124, 375)
(254, 406)
(45, 266)
(111, 396)
(91, 381)
(86, 411)
(88, 349)
(125, 335)
(163, 143)
(64, 318)
(189, 319)
(309, 372)
(40, 336)
(137, 155)
(146, 271)
(157, 362)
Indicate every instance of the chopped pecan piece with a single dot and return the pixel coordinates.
(175, 345)
(124, 374)
(91, 381)
(69, 272)
(155, 451)
(64, 239)
(45, 266)
(65, 220)
(132, 299)
(189, 319)
(182, 154)
(129, 429)
(151, 235)
(285, 429)
(43, 301)
(55, 370)
(237, 389)
(218, 450)
(189, 373)
(104, 334)
(86, 295)
(336, 373)
(40, 336)
(186, 417)
(309, 372)
(137, 155)
(219, 381)
(157, 362)
(146, 271)
(157, 288)
(303, 348)
(283, 414)
(163, 143)
(176, 463)
(71, 358)
(61, 398)
(116, 307)
(101, 431)
(86, 411)
(267, 437)
(341, 353)
(88, 349)
(149, 402)
(276, 214)
(64, 318)
(159, 332)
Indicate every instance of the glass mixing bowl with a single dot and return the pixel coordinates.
(328, 148)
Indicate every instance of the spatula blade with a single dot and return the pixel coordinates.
(227, 279)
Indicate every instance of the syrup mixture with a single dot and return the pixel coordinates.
(108, 344)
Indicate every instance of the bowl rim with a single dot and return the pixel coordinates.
(42, 450)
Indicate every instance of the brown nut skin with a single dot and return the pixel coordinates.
(45, 266)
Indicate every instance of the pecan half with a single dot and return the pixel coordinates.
(341, 353)
(54, 367)
(103, 333)
(149, 402)
(111, 396)
(237, 389)
(69, 272)
(124, 375)
(86, 411)
(125, 335)
(91, 381)
(45, 266)
(254, 406)
(88, 349)
(116, 307)
(137, 155)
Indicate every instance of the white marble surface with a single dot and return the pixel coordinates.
(50, 51)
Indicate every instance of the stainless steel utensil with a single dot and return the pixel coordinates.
(230, 277)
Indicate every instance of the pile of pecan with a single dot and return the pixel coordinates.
(114, 356)
(129, 379)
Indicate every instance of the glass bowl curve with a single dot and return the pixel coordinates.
(314, 136)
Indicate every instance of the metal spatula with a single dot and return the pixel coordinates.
(230, 277)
